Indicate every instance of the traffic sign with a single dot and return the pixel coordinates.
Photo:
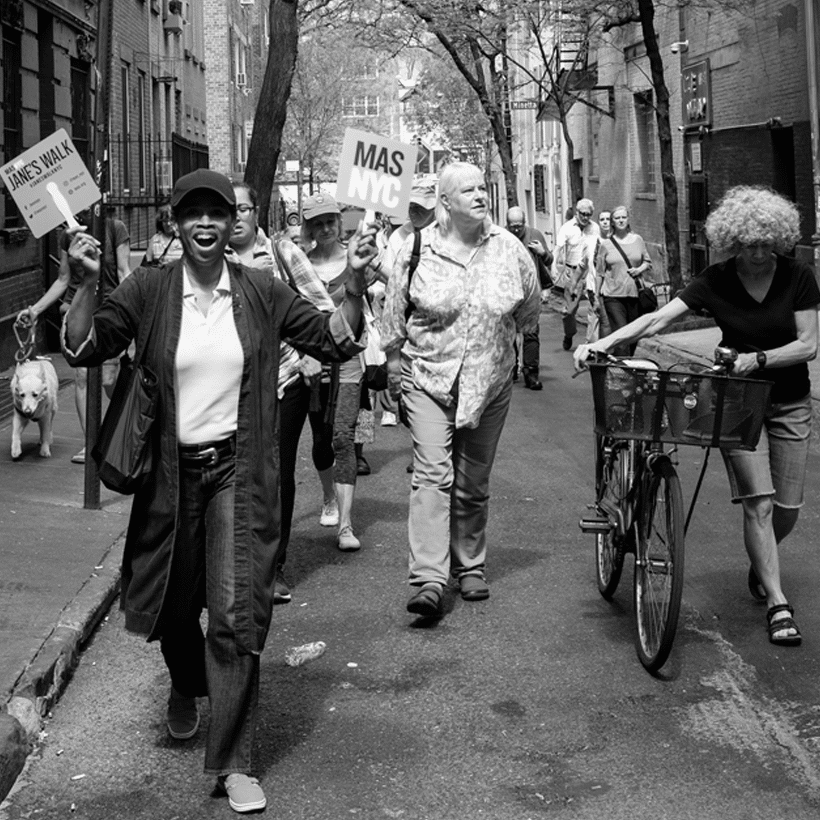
(49, 183)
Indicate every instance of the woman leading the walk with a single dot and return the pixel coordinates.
(204, 529)
(622, 259)
(450, 344)
(299, 373)
(766, 307)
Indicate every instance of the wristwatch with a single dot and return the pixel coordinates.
(761, 359)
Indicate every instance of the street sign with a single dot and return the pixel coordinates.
(376, 173)
(49, 183)
(524, 104)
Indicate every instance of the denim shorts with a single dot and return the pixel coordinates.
(778, 466)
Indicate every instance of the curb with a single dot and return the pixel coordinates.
(42, 682)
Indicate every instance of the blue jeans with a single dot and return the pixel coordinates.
(202, 574)
(450, 495)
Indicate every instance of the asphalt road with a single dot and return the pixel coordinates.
(529, 705)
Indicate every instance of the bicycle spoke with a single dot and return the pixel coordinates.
(659, 568)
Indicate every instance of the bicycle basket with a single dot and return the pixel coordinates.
(678, 408)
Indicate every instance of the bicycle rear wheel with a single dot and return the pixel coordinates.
(659, 566)
(612, 478)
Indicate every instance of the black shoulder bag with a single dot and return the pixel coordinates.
(647, 300)
(124, 451)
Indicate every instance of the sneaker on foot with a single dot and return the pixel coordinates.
(330, 514)
(244, 793)
(79, 458)
(182, 717)
(281, 591)
(347, 542)
(389, 419)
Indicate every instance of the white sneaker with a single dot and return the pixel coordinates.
(330, 514)
(244, 793)
(347, 541)
(389, 419)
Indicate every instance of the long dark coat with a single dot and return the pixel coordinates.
(265, 310)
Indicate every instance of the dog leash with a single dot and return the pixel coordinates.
(26, 345)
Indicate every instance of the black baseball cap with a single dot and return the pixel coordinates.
(207, 180)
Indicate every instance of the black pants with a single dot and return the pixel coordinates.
(620, 311)
(294, 408)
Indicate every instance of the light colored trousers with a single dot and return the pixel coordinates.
(449, 497)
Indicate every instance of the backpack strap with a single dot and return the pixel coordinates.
(414, 263)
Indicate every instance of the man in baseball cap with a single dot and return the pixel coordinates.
(423, 194)
(421, 213)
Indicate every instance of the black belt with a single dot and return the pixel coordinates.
(209, 453)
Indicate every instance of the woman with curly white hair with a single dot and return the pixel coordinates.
(765, 304)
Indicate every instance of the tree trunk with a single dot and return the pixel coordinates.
(271, 110)
(670, 185)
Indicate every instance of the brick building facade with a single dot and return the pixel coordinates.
(739, 115)
(157, 119)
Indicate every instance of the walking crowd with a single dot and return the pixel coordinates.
(249, 336)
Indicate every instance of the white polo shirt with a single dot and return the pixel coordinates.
(208, 367)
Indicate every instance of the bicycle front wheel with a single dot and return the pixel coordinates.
(659, 566)
(612, 474)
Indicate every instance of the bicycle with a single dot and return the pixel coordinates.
(642, 414)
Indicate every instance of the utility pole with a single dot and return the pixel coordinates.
(99, 153)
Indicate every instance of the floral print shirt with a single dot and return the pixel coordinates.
(458, 340)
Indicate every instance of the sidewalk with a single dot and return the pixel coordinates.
(59, 572)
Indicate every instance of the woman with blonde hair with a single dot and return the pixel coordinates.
(765, 304)
(622, 259)
(449, 334)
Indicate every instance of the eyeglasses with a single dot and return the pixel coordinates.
(585, 213)
(515, 225)
(245, 209)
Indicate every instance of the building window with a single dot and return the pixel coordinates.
(647, 151)
(365, 106)
(143, 130)
(81, 108)
(240, 64)
(593, 150)
(538, 188)
(13, 116)
(125, 90)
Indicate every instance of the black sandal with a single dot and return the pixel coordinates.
(783, 623)
(755, 587)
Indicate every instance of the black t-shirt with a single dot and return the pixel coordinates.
(749, 326)
(116, 234)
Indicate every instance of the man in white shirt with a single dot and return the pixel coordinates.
(574, 257)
